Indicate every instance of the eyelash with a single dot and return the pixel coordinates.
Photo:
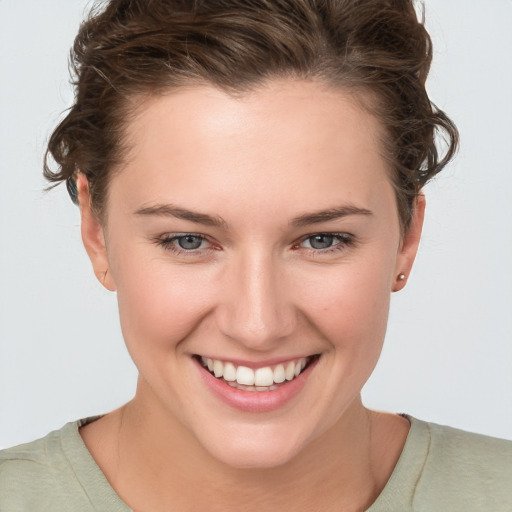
(169, 243)
(344, 241)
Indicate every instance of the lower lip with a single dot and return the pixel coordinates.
(255, 401)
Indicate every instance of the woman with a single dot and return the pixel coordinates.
(249, 176)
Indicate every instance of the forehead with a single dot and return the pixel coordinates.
(284, 140)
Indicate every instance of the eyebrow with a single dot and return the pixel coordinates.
(327, 215)
(169, 210)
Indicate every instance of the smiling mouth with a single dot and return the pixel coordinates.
(267, 378)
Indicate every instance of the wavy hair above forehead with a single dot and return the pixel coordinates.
(127, 48)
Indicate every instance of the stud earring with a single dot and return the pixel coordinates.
(401, 277)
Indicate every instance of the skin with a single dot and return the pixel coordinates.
(254, 291)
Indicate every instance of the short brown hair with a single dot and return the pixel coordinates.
(132, 47)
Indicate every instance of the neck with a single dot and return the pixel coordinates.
(155, 463)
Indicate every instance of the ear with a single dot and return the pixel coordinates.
(93, 236)
(409, 245)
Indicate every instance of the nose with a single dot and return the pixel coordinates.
(255, 309)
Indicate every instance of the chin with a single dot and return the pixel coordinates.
(253, 450)
(254, 457)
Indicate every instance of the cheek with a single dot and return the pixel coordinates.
(159, 304)
(349, 305)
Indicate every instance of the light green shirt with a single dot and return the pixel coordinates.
(441, 469)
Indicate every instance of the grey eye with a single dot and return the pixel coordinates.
(189, 242)
(321, 241)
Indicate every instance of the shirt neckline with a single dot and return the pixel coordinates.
(396, 495)
(100, 493)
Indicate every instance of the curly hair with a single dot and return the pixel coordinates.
(128, 48)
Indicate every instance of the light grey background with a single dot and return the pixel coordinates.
(448, 355)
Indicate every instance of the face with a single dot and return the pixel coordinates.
(258, 236)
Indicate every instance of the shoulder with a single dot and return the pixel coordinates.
(39, 476)
(465, 471)
(39, 458)
(473, 457)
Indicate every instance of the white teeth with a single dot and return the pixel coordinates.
(229, 372)
(261, 379)
(264, 376)
(279, 375)
(245, 376)
(218, 368)
(290, 371)
(252, 388)
(299, 366)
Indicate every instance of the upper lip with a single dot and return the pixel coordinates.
(258, 364)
